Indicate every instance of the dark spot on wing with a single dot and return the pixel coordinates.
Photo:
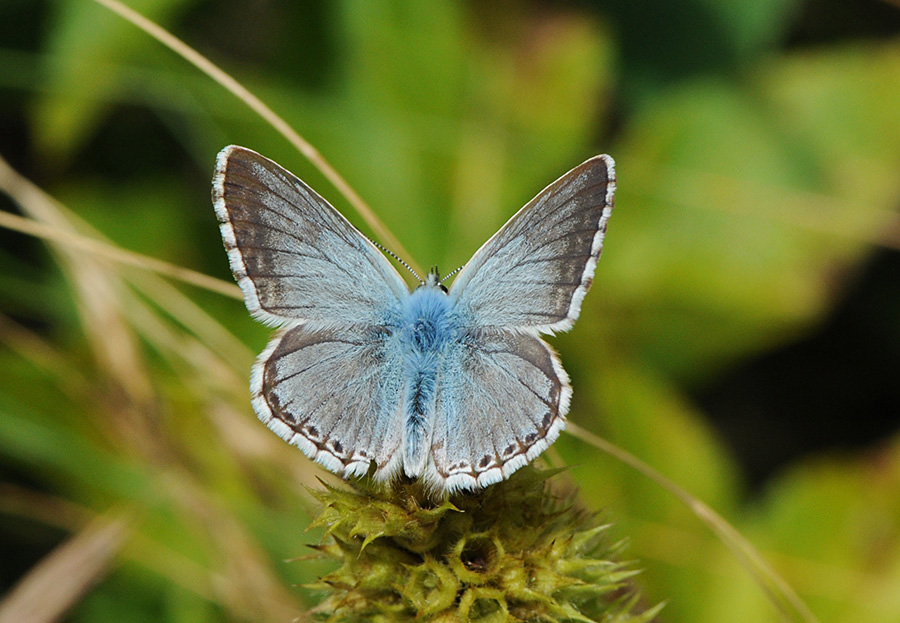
(271, 397)
(460, 466)
(548, 418)
(553, 398)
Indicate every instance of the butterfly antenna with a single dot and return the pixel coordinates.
(446, 277)
(394, 255)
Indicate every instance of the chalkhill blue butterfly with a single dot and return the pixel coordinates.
(454, 387)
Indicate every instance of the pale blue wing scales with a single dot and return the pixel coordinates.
(502, 400)
(535, 271)
(333, 394)
(293, 255)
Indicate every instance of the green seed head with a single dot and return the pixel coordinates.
(513, 552)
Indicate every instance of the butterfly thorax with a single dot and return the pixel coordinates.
(427, 319)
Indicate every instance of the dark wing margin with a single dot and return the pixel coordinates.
(294, 256)
(534, 272)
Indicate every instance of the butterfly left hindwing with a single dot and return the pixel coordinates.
(335, 394)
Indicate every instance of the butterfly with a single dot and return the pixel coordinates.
(451, 387)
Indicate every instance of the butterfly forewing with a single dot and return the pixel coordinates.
(294, 256)
(535, 271)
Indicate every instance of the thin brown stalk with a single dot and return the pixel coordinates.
(108, 251)
(779, 592)
(54, 222)
(60, 580)
(278, 123)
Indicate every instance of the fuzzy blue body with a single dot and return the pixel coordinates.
(429, 330)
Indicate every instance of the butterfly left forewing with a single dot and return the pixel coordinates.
(295, 257)
(535, 271)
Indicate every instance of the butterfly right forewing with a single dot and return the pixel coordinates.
(534, 272)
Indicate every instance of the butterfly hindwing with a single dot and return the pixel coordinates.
(294, 256)
(501, 401)
(333, 393)
(535, 271)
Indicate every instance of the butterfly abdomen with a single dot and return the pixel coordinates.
(428, 330)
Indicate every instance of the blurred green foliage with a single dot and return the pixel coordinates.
(755, 178)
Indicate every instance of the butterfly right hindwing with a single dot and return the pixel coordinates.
(502, 398)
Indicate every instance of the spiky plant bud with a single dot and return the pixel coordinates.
(513, 552)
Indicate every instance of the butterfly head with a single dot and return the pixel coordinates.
(433, 280)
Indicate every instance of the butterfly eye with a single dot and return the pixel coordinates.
(433, 280)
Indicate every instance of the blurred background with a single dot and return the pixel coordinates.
(742, 335)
